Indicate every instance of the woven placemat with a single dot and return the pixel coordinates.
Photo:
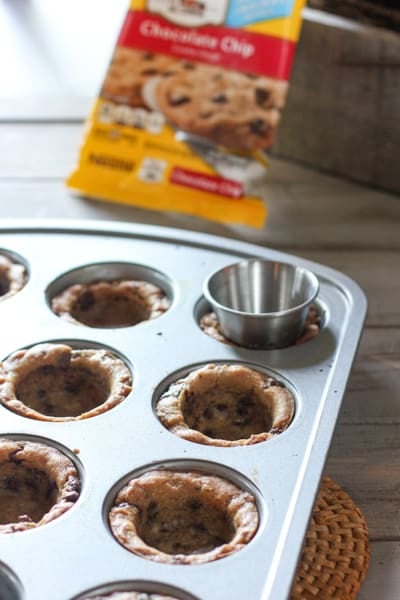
(336, 551)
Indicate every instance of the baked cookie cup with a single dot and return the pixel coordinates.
(183, 517)
(55, 382)
(13, 276)
(226, 405)
(110, 304)
(38, 484)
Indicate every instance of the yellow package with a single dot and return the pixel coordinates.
(190, 105)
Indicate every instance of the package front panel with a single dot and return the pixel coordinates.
(189, 107)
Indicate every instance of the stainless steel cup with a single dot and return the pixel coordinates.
(261, 303)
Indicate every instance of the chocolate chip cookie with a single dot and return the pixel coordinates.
(236, 110)
(226, 405)
(129, 70)
(110, 303)
(37, 485)
(54, 382)
(183, 517)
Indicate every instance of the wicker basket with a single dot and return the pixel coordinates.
(336, 552)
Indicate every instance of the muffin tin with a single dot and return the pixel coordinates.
(77, 553)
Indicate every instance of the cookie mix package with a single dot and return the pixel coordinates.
(190, 105)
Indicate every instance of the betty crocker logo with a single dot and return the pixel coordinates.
(190, 13)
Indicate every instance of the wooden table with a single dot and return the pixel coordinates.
(316, 216)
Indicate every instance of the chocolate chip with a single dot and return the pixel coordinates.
(152, 511)
(52, 492)
(259, 127)
(86, 300)
(177, 547)
(208, 433)
(273, 383)
(149, 72)
(12, 484)
(207, 413)
(12, 457)
(152, 505)
(168, 73)
(194, 504)
(73, 387)
(244, 405)
(33, 481)
(262, 96)
(219, 99)
(190, 401)
(179, 99)
(218, 541)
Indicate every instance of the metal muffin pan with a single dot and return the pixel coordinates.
(77, 552)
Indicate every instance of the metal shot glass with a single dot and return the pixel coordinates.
(261, 303)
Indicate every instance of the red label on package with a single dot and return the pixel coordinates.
(216, 45)
(207, 183)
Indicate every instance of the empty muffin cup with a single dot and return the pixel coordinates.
(226, 405)
(55, 382)
(261, 303)
(38, 483)
(183, 517)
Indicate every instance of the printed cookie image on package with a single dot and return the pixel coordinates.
(236, 110)
(129, 71)
(189, 107)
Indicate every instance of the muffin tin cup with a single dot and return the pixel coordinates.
(93, 377)
(261, 303)
(78, 549)
(10, 586)
(135, 586)
(280, 408)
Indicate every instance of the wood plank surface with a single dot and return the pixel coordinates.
(307, 209)
(383, 577)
